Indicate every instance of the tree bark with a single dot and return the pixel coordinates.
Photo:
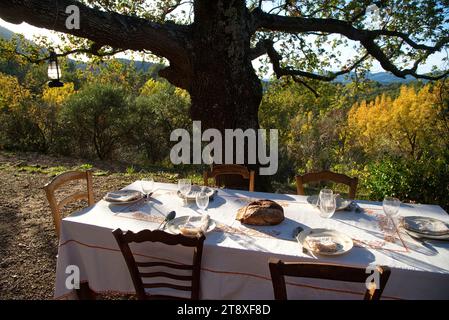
(224, 89)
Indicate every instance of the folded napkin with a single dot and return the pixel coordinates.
(322, 244)
(194, 226)
(122, 196)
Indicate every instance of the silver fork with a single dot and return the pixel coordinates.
(296, 232)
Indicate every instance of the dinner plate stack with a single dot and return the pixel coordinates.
(195, 190)
(341, 203)
(424, 227)
(123, 197)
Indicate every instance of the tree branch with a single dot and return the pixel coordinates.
(170, 8)
(274, 22)
(365, 37)
(259, 50)
(375, 51)
(105, 28)
(276, 58)
(438, 46)
(305, 84)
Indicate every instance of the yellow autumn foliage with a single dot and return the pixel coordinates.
(154, 87)
(184, 94)
(57, 96)
(403, 124)
(12, 94)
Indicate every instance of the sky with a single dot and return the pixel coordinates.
(30, 31)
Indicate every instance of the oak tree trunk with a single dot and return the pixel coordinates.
(225, 90)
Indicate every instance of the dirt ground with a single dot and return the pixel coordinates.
(28, 243)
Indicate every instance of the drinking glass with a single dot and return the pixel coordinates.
(327, 203)
(147, 185)
(391, 208)
(202, 199)
(184, 186)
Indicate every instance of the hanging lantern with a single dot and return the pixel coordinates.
(54, 71)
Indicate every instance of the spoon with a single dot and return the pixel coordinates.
(297, 231)
(169, 217)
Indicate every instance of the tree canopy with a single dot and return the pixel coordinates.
(303, 39)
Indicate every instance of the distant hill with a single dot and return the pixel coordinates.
(143, 66)
(381, 77)
(5, 33)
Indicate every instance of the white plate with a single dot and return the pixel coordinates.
(121, 195)
(173, 225)
(427, 236)
(344, 243)
(124, 202)
(191, 196)
(419, 225)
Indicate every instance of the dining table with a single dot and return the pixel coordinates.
(235, 255)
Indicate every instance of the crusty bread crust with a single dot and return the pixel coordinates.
(261, 213)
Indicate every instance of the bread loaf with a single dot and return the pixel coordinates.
(261, 213)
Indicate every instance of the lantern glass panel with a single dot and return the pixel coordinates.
(54, 71)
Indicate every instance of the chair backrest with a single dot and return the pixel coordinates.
(280, 269)
(61, 180)
(327, 176)
(124, 239)
(219, 172)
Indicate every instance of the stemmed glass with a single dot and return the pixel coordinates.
(202, 199)
(327, 203)
(147, 185)
(391, 208)
(184, 186)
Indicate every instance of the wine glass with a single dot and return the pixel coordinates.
(327, 203)
(184, 187)
(147, 185)
(391, 208)
(202, 199)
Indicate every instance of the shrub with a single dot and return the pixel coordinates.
(424, 181)
(97, 118)
(19, 128)
(160, 109)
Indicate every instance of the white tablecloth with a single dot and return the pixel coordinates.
(235, 257)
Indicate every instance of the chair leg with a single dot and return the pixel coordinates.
(84, 292)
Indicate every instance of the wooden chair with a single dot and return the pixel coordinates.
(123, 240)
(60, 180)
(280, 269)
(327, 176)
(220, 172)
